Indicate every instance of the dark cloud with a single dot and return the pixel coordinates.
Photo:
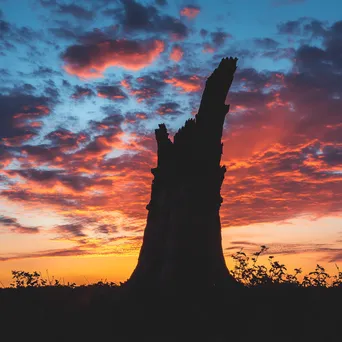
(17, 109)
(145, 88)
(135, 16)
(20, 89)
(45, 72)
(75, 182)
(106, 229)
(76, 11)
(110, 128)
(329, 252)
(66, 84)
(100, 35)
(4, 28)
(303, 26)
(110, 123)
(161, 2)
(48, 3)
(219, 37)
(291, 27)
(52, 92)
(203, 33)
(74, 251)
(111, 92)
(92, 60)
(65, 138)
(16, 227)
(49, 200)
(81, 92)
(168, 108)
(63, 32)
(4, 72)
(71, 230)
(280, 53)
(266, 43)
(10, 35)
(40, 153)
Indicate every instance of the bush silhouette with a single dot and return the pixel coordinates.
(246, 271)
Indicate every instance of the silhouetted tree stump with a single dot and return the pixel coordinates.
(182, 239)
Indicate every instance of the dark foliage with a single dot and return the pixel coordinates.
(272, 306)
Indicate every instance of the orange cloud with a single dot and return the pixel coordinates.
(186, 84)
(176, 53)
(190, 12)
(141, 116)
(207, 48)
(90, 61)
(111, 97)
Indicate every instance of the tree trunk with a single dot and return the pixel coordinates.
(182, 239)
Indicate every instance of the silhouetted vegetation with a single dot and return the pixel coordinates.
(246, 271)
(272, 305)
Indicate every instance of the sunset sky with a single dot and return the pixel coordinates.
(85, 83)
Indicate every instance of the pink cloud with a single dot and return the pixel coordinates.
(190, 11)
(176, 53)
(90, 61)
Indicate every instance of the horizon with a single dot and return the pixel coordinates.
(84, 87)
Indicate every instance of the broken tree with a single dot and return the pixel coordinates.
(182, 239)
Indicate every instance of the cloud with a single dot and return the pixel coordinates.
(203, 33)
(76, 11)
(291, 27)
(282, 136)
(304, 26)
(111, 122)
(161, 2)
(18, 111)
(48, 3)
(207, 48)
(106, 229)
(81, 92)
(16, 227)
(90, 61)
(219, 37)
(72, 229)
(74, 251)
(176, 53)
(168, 108)
(45, 72)
(190, 11)
(187, 83)
(67, 33)
(10, 35)
(58, 178)
(136, 17)
(145, 88)
(266, 43)
(111, 92)
(328, 251)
